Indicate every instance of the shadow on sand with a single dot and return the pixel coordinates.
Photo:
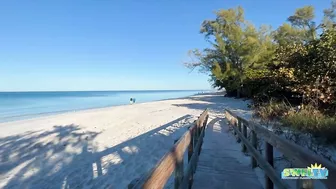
(217, 103)
(71, 159)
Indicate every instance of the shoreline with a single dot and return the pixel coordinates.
(99, 148)
(96, 148)
(68, 115)
(104, 91)
(50, 114)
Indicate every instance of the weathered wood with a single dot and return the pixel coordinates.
(263, 163)
(218, 166)
(159, 175)
(194, 143)
(190, 153)
(192, 165)
(205, 122)
(178, 172)
(305, 184)
(235, 124)
(269, 159)
(188, 176)
(196, 131)
(299, 156)
(245, 135)
(198, 128)
(254, 141)
(239, 128)
(191, 146)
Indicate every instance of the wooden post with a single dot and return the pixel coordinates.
(199, 134)
(178, 172)
(235, 124)
(197, 129)
(203, 129)
(190, 153)
(194, 149)
(191, 146)
(305, 184)
(269, 159)
(200, 127)
(239, 128)
(254, 144)
(195, 134)
(205, 122)
(245, 136)
(194, 139)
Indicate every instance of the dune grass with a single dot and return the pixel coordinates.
(306, 119)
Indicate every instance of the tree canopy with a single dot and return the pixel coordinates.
(297, 59)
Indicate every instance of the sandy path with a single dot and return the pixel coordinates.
(97, 148)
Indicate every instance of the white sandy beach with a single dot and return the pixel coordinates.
(107, 147)
(99, 148)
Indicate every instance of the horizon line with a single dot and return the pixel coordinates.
(110, 90)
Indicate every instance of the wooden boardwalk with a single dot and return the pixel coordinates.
(221, 163)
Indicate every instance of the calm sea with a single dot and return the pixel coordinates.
(23, 105)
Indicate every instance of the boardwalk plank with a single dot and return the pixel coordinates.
(219, 166)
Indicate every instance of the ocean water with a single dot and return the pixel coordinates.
(24, 105)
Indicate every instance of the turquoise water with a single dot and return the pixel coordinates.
(23, 105)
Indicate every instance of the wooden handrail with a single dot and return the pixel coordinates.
(192, 160)
(299, 156)
(171, 161)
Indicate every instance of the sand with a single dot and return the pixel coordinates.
(98, 148)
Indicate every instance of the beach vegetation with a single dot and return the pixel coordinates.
(291, 66)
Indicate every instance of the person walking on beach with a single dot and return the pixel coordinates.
(131, 100)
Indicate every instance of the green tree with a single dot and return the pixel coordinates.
(329, 19)
(236, 47)
(309, 69)
(302, 28)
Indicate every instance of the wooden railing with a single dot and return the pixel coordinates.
(173, 160)
(299, 156)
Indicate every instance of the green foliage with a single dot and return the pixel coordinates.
(272, 110)
(329, 19)
(312, 121)
(309, 69)
(236, 46)
(296, 62)
(287, 35)
(291, 62)
(303, 19)
(301, 28)
(306, 119)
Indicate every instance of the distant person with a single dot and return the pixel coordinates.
(134, 100)
(131, 100)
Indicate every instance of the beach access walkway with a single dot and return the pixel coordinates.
(214, 160)
(220, 156)
(219, 165)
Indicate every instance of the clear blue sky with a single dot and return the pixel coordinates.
(114, 44)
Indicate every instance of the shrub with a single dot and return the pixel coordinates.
(272, 110)
(310, 120)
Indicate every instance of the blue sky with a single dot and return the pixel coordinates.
(114, 44)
